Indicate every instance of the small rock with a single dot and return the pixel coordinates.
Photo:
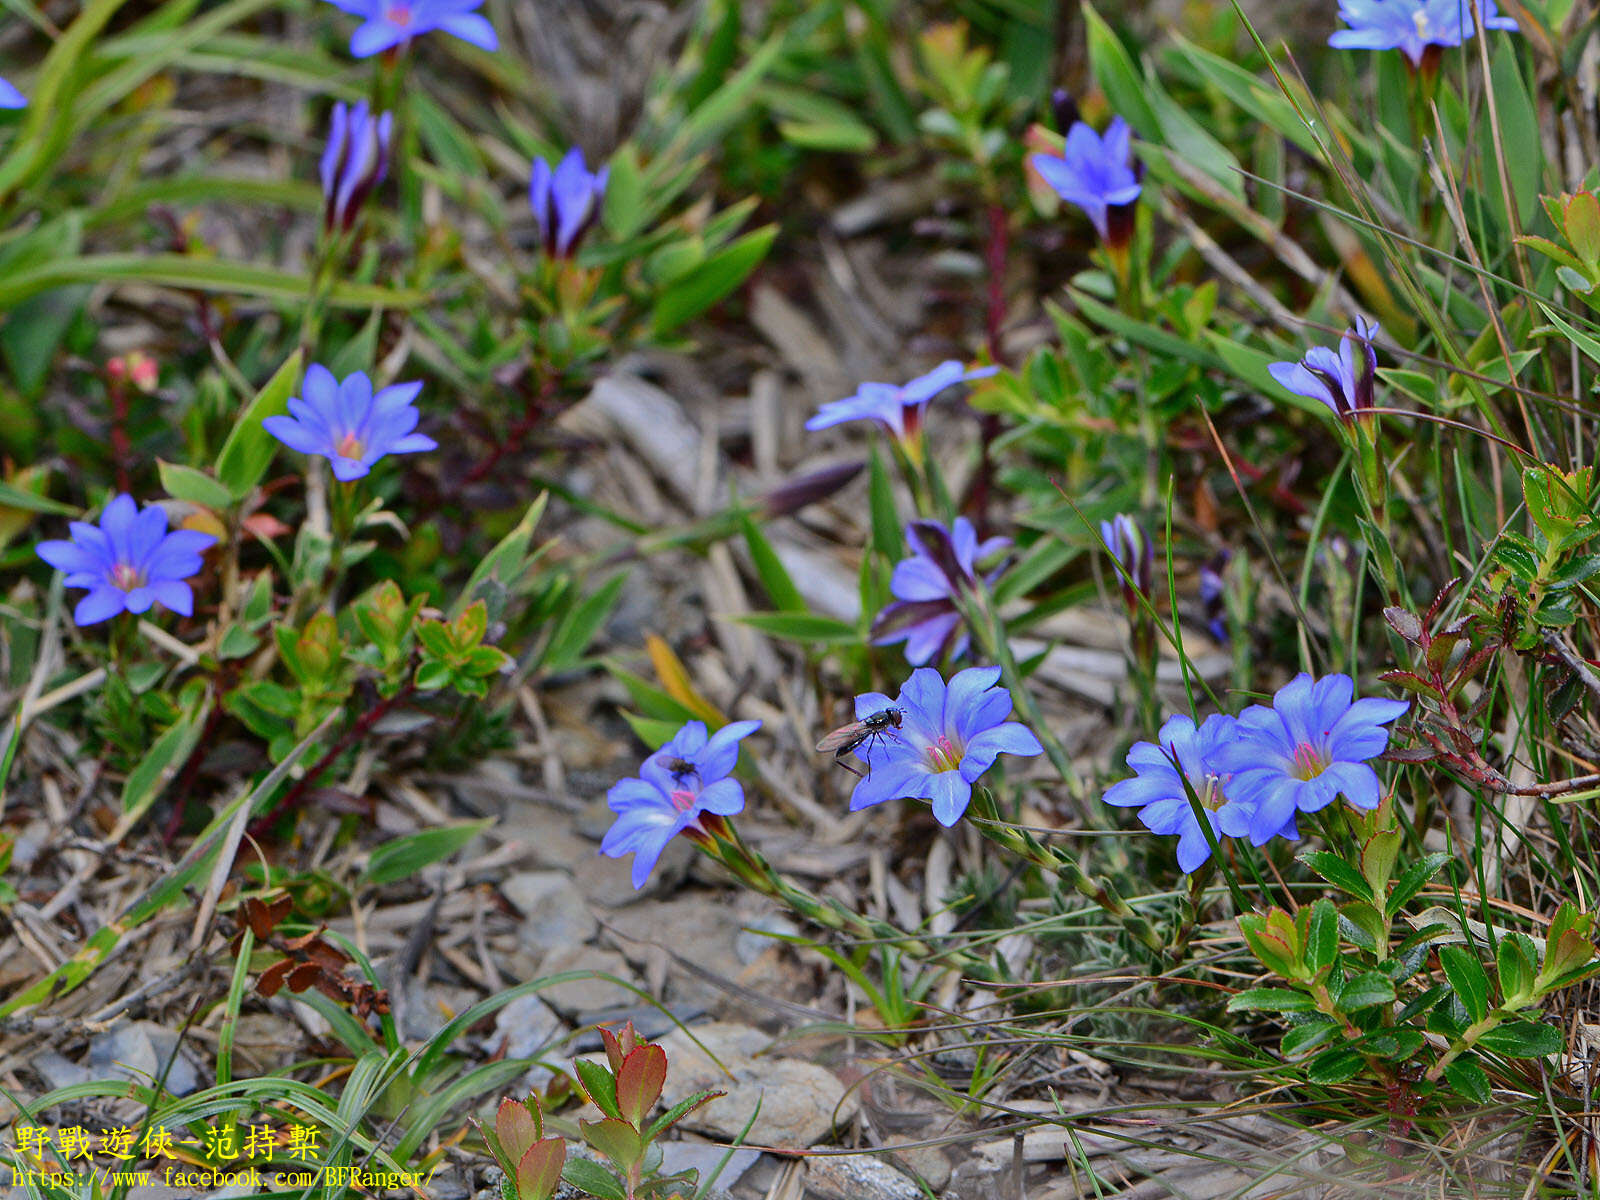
(140, 1050)
(753, 941)
(524, 1028)
(857, 1177)
(799, 1102)
(59, 1072)
(585, 999)
(704, 1157)
(554, 911)
(927, 1163)
(977, 1179)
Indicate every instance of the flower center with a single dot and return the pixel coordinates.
(349, 446)
(126, 576)
(682, 799)
(944, 755)
(1420, 20)
(398, 14)
(1309, 761)
(1211, 794)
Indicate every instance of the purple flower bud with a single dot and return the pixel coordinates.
(805, 490)
(925, 614)
(1135, 556)
(566, 201)
(10, 97)
(355, 162)
(1213, 599)
(1336, 379)
(1064, 108)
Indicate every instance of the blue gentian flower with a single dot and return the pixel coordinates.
(1412, 26)
(355, 161)
(389, 23)
(566, 201)
(129, 562)
(1130, 546)
(1336, 379)
(949, 735)
(1310, 747)
(685, 779)
(1096, 173)
(1182, 752)
(10, 97)
(898, 408)
(347, 424)
(943, 566)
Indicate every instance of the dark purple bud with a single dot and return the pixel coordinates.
(1213, 602)
(566, 201)
(1064, 108)
(355, 162)
(1119, 224)
(933, 541)
(1135, 556)
(798, 493)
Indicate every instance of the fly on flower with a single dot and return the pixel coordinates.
(860, 735)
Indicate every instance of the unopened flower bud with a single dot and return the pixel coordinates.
(355, 162)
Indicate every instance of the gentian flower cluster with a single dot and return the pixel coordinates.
(1096, 173)
(129, 562)
(1416, 28)
(925, 614)
(355, 161)
(1337, 380)
(897, 408)
(566, 201)
(10, 97)
(949, 735)
(677, 787)
(390, 23)
(348, 424)
(1254, 774)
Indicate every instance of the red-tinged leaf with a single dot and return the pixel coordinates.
(517, 1128)
(639, 1083)
(304, 975)
(1440, 598)
(1411, 682)
(1404, 622)
(617, 1140)
(614, 1051)
(539, 1169)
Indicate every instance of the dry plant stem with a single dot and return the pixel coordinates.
(720, 840)
(1053, 862)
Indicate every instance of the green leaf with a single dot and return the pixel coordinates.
(1519, 134)
(1467, 977)
(719, 275)
(1322, 940)
(1413, 879)
(1523, 1039)
(1515, 959)
(33, 333)
(888, 539)
(403, 857)
(1118, 77)
(774, 575)
(1308, 1036)
(539, 1169)
(1468, 1078)
(580, 624)
(1337, 872)
(623, 213)
(1334, 1066)
(801, 627)
(246, 454)
(591, 1178)
(1366, 990)
(1268, 999)
(193, 485)
(599, 1085)
(164, 758)
(679, 1111)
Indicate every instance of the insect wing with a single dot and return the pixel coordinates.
(843, 738)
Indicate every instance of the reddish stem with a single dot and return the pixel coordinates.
(121, 447)
(531, 417)
(295, 796)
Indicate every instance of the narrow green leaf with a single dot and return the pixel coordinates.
(403, 857)
(1337, 872)
(246, 454)
(1467, 977)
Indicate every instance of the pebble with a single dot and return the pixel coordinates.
(554, 912)
(857, 1177)
(140, 1050)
